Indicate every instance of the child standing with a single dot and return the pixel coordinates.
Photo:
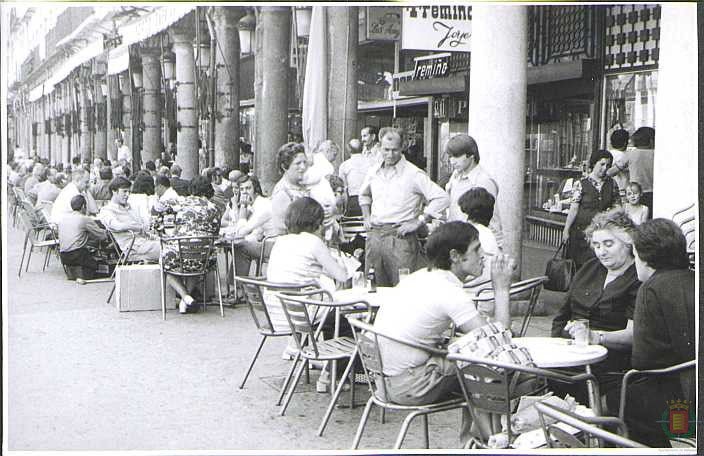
(634, 208)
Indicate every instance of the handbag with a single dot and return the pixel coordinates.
(560, 271)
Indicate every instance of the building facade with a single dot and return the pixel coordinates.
(215, 81)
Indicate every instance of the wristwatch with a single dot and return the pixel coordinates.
(601, 338)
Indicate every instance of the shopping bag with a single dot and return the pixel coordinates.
(559, 271)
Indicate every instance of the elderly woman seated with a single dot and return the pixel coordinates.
(665, 334)
(604, 293)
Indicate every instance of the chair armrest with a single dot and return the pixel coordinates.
(635, 372)
(558, 376)
(369, 328)
(589, 424)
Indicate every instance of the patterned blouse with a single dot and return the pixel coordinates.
(577, 188)
(195, 216)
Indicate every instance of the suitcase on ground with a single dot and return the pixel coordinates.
(138, 287)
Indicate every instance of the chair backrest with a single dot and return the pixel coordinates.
(491, 385)
(352, 226)
(193, 252)
(264, 253)
(495, 391)
(301, 319)
(589, 427)
(368, 338)
(528, 288)
(686, 219)
(254, 296)
(19, 194)
(686, 381)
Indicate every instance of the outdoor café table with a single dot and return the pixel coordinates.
(556, 352)
(375, 300)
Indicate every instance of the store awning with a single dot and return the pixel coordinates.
(143, 28)
(93, 49)
(450, 84)
(367, 106)
(118, 60)
(42, 89)
(561, 71)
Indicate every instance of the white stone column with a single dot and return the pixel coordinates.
(187, 123)
(227, 117)
(497, 108)
(151, 104)
(675, 176)
(271, 90)
(343, 25)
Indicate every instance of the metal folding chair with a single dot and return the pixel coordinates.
(686, 220)
(589, 428)
(38, 234)
(254, 296)
(353, 226)
(493, 386)
(195, 258)
(529, 288)
(300, 312)
(122, 257)
(688, 385)
(367, 339)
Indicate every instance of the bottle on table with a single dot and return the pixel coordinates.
(371, 276)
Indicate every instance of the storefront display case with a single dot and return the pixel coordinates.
(558, 145)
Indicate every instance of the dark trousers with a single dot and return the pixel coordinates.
(387, 251)
(83, 258)
(353, 209)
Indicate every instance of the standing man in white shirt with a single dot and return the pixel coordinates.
(352, 172)
(370, 144)
(397, 201)
(123, 152)
(466, 175)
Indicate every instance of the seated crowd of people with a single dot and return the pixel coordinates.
(634, 284)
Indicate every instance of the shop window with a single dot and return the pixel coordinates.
(630, 100)
(558, 145)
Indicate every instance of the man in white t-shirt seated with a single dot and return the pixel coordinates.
(424, 305)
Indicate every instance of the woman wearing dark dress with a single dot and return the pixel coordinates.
(603, 291)
(664, 329)
(590, 195)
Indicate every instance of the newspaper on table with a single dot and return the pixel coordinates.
(493, 342)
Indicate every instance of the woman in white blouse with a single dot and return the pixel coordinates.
(301, 256)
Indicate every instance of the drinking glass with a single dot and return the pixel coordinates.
(581, 332)
(359, 280)
(403, 273)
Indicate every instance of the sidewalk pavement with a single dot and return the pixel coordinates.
(82, 376)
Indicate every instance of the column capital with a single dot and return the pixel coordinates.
(274, 9)
(149, 53)
(182, 35)
(229, 15)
